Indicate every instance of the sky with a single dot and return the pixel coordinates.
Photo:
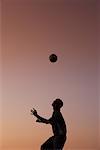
(31, 31)
(99, 61)
(0, 75)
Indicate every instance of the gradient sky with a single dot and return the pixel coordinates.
(98, 8)
(31, 31)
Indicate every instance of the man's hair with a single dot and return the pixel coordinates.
(58, 102)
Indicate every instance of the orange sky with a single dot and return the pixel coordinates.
(31, 31)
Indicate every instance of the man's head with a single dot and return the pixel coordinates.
(57, 104)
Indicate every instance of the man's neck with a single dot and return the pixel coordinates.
(57, 110)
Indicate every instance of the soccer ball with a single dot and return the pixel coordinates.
(53, 58)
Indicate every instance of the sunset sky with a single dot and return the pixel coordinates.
(98, 16)
(31, 31)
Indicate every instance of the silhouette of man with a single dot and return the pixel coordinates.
(57, 141)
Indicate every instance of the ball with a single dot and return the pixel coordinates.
(53, 58)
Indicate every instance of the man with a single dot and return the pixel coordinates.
(57, 122)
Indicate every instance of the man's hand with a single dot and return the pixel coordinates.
(38, 120)
(33, 112)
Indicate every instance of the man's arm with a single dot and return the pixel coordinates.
(39, 118)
